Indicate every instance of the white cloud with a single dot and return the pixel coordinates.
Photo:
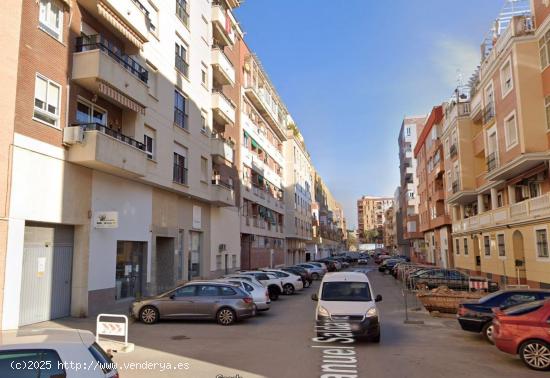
(452, 57)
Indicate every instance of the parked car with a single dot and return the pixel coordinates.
(306, 278)
(332, 266)
(322, 265)
(273, 283)
(53, 350)
(348, 296)
(452, 278)
(378, 259)
(259, 294)
(477, 315)
(363, 260)
(388, 265)
(524, 330)
(291, 282)
(224, 302)
(245, 277)
(315, 271)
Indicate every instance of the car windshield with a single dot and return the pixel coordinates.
(346, 292)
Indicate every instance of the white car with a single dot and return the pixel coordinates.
(244, 276)
(347, 298)
(257, 291)
(53, 353)
(273, 283)
(291, 282)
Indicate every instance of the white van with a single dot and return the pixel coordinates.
(346, 303)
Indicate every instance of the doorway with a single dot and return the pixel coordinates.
(131, 269)
(477, 255)
(519, 257)
(165, 263)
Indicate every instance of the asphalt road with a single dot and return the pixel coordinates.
(279, 343)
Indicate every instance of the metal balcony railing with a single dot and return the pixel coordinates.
(488, 114)
(180, 118)
(98, 42)
(492, 161)
(181, 65)
(94, 126)
(180, 173)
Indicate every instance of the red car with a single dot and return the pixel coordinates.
(525, 330)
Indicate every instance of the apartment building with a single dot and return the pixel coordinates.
(501, 205)
(371, 214)
(434, 217)
(389, 229)
(401, 245)
(263, 124)
(411, 128)
(299, 194)
(124, 141)
(327, 222)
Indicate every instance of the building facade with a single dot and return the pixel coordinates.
(389, 230)
(411, 128)
(434, 217)
(371, 215)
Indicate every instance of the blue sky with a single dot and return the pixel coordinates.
(349, 70)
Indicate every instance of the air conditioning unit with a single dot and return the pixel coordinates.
(222, 248)
(73, 134)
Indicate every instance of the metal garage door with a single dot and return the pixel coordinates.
(46, 275)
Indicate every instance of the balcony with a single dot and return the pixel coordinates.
(517, 166)
(221, 25)
(455, 110)
(475, 107)
(223, 110)
(488, 114)
(479, 144)
(222, 69)
(438, 195)
(106, 150)
(528, 210)
(492, 161)
(222, 150)
(222, 193)
(102, 68)
(128, 19)
(258, 97)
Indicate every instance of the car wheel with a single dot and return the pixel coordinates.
(288, 289)
(226, 316)
(376, 338)
(273, 294)
(315, 276)
(488, 332)
(149, 315)
(306, 284)
(535, 354)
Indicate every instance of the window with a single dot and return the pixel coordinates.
(542, 243)
(180, 170)
(506, 78)
(181, 59)
(51, 18)
(204, 75)
(501, 245)
(186, 291)
(182, 12)
(487, 245)
(204, 169)
(457, 246)
(149, 142)
(408, 131)
(204, 125)
(153, 80)
(547, 107)
(88, 112)
(465, 246)
(46, 101)
(543, 50)
(48, 361)
(511, 130)
(207, 291)
(516, 299)
(153, 20)
(180, 115)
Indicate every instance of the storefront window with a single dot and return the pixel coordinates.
(194, 254)
(131, 269)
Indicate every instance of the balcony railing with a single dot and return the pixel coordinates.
(456, 186)
(222, 181)
(492, 161)
(93, 126)
(488, 114)
(180, 119)
(180, 173)
(453, 150)
(98, 42)
(181, 11)
(182, 66)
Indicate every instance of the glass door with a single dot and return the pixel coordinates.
(194, 254)
(130, 269)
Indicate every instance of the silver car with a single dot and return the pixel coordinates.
(259, 293)
(224, 302)
(315, 271)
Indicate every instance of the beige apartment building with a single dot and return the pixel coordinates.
(413, 246)
(389, 230)
(371, 215)
(500, 189)
(122, 137)
(299, 194)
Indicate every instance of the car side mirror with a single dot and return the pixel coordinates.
(173, 296)
(314, 297)
(378, 298)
